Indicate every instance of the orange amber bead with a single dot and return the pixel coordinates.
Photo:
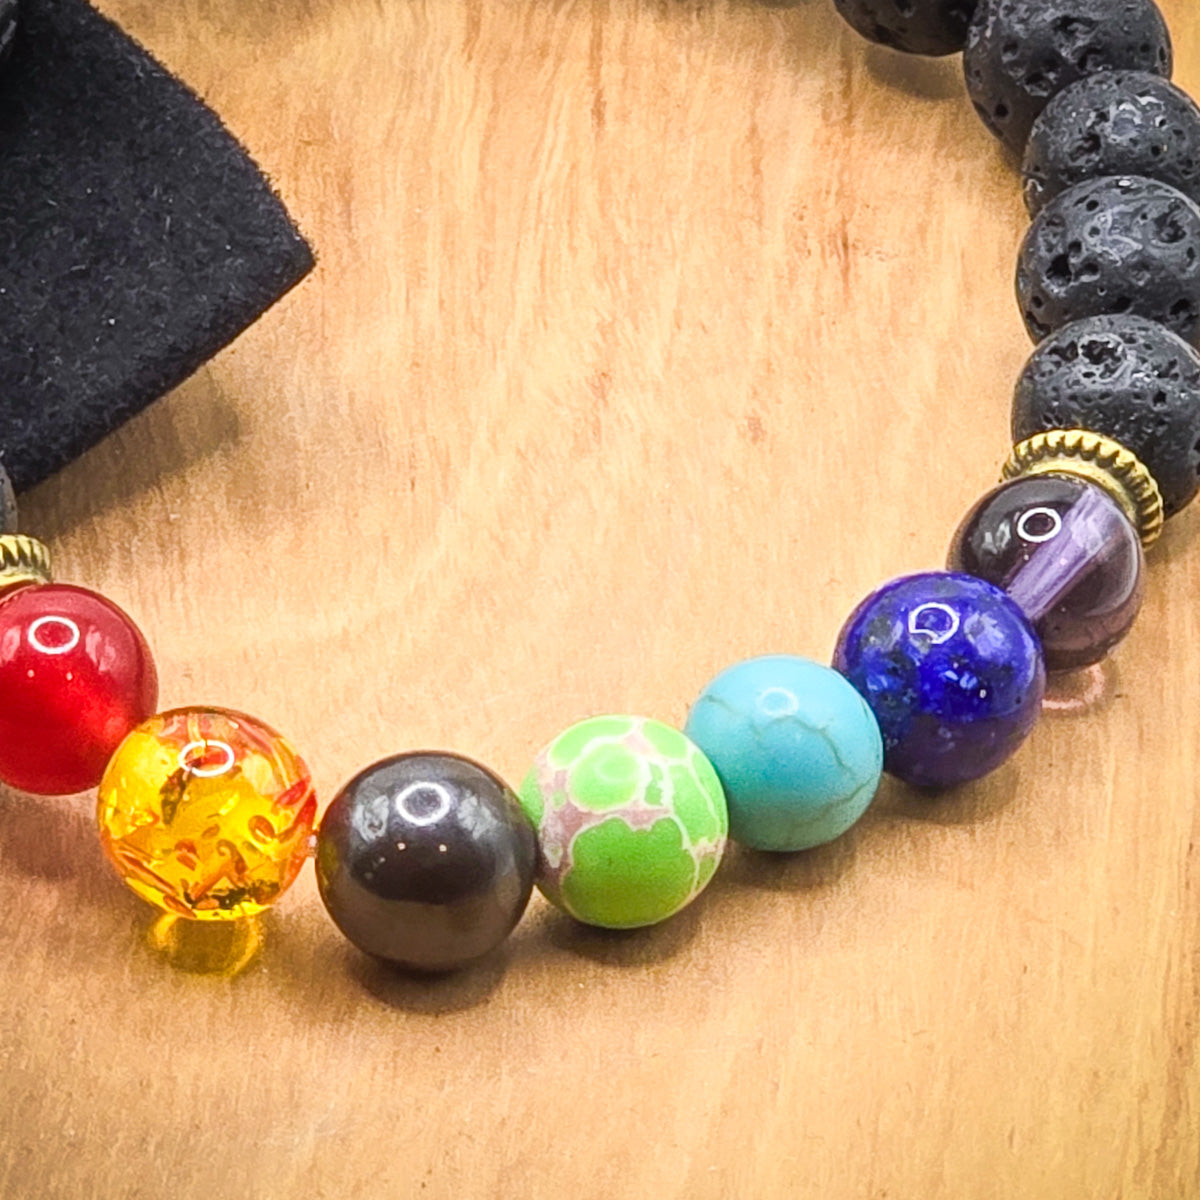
(207, 813)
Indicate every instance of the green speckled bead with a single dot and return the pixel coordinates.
(630, 818)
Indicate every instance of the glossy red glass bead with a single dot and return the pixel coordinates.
(76, 676)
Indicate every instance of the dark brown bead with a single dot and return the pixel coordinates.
(426, 860)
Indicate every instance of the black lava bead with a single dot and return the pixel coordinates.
(1020, 53)
(1129, 379)
(932, 27)
(8, 504)
(426, 861)
(1113, 123)
(1116, 245)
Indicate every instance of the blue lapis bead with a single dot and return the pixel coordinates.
(952, 670)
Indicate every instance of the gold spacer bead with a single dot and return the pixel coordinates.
(1099, 460)
(22, 560)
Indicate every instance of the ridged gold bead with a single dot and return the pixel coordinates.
(1101, 461)
(22, 560)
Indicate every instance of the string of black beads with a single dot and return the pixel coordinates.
(1108, 278)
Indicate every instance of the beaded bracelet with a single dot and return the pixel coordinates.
(428, 860)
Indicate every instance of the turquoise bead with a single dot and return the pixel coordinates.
(795, 746)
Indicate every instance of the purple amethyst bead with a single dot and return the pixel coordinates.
(951, 669)
(1065, 552)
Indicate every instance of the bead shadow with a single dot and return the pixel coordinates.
(1178, 537)
(51, 864)
(433, 993)
(966, 804)
(934, 80)
(916, 76)
(629, 948)
(53, 840)
(48, 839)
(801, 871)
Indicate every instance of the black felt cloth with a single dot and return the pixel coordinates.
(137, 238)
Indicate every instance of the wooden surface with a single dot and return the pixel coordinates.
(645, 337)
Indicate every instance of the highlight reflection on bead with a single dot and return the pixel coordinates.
(207, 813)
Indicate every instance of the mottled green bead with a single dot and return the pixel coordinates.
(630, 818)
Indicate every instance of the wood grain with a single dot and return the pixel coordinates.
(645, 336)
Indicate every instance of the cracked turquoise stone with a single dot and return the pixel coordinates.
(797, 749)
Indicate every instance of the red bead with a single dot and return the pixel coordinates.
(76, 676)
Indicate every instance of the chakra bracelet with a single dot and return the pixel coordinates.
(428, 860)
